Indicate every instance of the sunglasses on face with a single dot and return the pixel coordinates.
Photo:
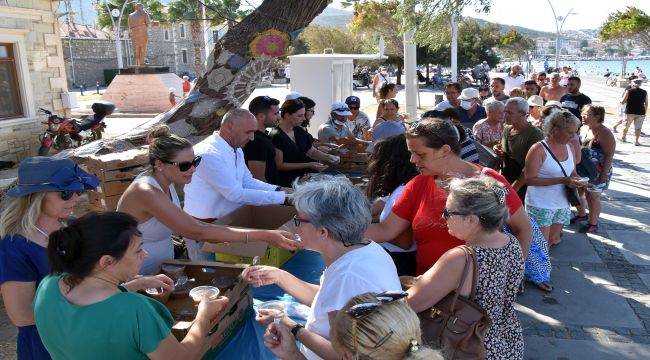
(354, 108)
(297, 221)
(446, 214)
(67, 194)
(186, 165)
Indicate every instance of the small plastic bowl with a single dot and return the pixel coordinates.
(199, 292)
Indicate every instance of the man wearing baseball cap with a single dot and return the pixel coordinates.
(358, 122)
(470, 109)
(336, 129)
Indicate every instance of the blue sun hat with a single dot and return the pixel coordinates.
(41, 173)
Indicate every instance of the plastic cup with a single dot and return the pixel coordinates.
(277, 307)
(583, 180)
(199, 292)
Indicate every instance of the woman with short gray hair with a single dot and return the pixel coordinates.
(332, 218)
(489, 130)
(550, 167)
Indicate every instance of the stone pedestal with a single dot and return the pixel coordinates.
(143, 90)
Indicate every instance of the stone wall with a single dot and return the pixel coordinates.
(32, 28)
(92, 56)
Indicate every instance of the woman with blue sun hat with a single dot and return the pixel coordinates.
(45, 195)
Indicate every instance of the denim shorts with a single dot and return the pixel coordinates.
(548, 217)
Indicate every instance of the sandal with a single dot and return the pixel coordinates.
(545, 286)
(589, 229)
(579, 218)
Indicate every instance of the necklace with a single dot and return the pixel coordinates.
(41, 232)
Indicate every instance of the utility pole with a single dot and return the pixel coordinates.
(558, 28)
(454, 48)
(68, 9)
(82, 18)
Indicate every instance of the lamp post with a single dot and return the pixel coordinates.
(115, 13)
(558, 28)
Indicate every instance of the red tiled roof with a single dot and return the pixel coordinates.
(80, 31)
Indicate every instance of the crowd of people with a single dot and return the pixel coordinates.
(466, 201)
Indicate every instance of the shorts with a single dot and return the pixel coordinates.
(637, 119)
(547, 217)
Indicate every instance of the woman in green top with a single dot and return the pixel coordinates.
(82, 311)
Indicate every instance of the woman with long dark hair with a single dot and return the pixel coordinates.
(390, 170)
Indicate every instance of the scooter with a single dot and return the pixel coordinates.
(361, 79)
(63, 133)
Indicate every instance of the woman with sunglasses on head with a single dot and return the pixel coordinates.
(89, 307)
(153, 201)
(435, 151)
(46, 193)
(332, 217)
(378, 326)
(475, 212)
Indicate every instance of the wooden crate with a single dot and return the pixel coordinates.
(121, 160)
(99, 202)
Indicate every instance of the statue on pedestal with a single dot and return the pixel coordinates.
(139, 22)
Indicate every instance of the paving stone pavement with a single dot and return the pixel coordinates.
(600, 308)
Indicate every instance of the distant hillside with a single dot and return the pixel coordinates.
(522, 30)
(333, 18)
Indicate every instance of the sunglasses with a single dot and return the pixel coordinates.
(67, 194)
(446, 214)
(360, 310)
(297, 221)
(186, 165)
(354, 108)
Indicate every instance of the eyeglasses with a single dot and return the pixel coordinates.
(297, 221)
(186, 165)
(67, 194)
(446, 214)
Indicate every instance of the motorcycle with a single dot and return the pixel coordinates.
(361, 79)
(63, 133)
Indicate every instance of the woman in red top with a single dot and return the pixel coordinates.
(435, 151)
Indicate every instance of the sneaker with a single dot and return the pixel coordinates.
(579, 218)
(637, 143)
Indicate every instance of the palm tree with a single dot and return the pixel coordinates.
(217, 11)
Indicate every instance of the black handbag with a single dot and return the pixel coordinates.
(571, 193)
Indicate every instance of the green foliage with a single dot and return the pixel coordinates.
(515, 44)
(217, 11)
(632, 22)
(475, 44)
(154, 8)
(317, 38)
(374, 18)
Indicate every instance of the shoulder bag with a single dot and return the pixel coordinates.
(457, 324)
(571, 193)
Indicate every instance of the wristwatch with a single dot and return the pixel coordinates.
(295, 329)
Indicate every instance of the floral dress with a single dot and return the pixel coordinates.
(500, 271)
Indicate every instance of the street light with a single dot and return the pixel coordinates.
(115, 13)
(558, 28)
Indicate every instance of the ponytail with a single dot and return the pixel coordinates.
(75, 250)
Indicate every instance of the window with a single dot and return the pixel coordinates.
(182, 31)
(184, 55)
(166, 35)
(10, 101)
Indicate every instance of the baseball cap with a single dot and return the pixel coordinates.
(469, 94)
(353, 100)
(553, 103)
(535, 100)
(340, 108)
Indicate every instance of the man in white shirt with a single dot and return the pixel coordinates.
(514, 79)
(452, 92)
(222, 182)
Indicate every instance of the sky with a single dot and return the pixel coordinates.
(537, 14)
(534, 14)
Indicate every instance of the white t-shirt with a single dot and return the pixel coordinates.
(512, 83)
(444, 105)
(389, 201)
(367, 269)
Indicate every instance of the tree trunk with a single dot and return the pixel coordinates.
(398, 74)
(231, 76)
(197, 43)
